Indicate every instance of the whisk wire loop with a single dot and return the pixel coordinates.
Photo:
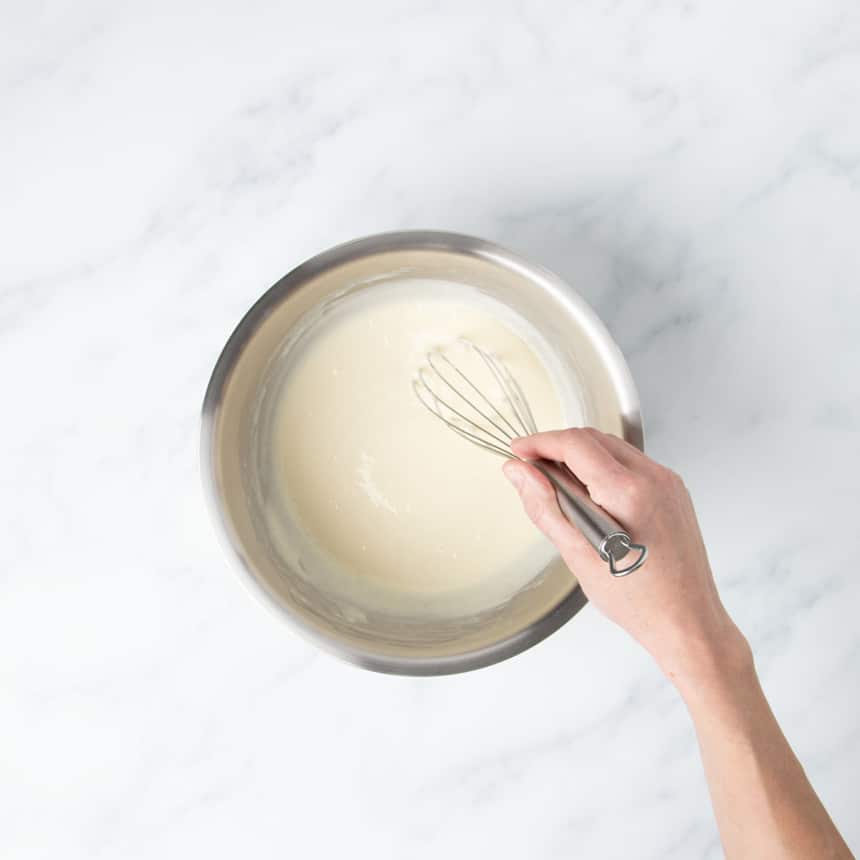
(489, 440)
(481, 419)
(432, 362)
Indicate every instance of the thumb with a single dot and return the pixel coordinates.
(541, 505)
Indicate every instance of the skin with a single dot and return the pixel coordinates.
(764, 804)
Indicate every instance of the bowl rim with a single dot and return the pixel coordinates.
(401, 240)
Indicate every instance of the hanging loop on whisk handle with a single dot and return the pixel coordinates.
(608, 537)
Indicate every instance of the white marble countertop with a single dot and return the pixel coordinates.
(692, 167)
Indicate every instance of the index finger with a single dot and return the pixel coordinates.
(579, 450)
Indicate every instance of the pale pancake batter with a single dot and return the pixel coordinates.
(383, 491)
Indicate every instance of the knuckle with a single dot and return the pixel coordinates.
(539, 504)
(625, 482)
(538, 512)
(670, 479)
(635, 489)
(542, 519)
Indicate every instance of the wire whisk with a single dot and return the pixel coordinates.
(487, 406)
(475, 417)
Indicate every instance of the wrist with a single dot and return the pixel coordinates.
(707, 661)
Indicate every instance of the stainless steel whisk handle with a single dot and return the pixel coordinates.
(607, 536)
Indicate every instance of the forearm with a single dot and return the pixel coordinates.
(764, 804)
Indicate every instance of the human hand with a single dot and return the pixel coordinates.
(670, 605)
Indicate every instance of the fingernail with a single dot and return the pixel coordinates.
(513, 473)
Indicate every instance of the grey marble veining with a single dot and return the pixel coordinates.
(693, 168)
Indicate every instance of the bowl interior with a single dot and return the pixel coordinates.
(407, 641)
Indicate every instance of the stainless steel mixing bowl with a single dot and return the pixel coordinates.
(404, 644)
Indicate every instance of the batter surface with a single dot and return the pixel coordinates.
(384, 492)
